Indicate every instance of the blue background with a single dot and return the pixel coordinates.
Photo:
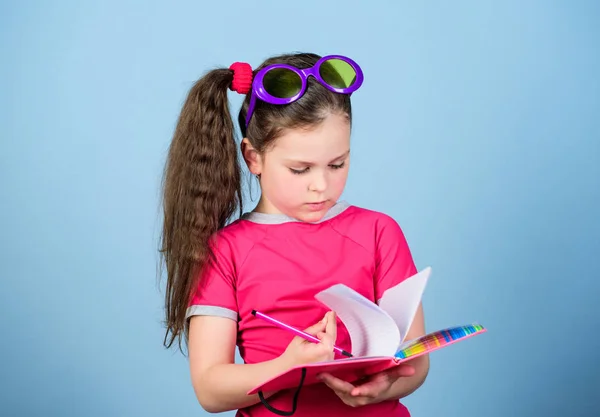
(477, 128)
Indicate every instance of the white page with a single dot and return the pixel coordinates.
(401, 301)
(372, 331)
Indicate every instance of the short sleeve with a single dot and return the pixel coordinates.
(393, 259)
(215, 294)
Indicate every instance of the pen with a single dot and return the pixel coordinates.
(297, 332)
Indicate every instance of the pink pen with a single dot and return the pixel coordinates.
(297, 332)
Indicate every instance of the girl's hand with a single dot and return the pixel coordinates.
(301, 351)
(374, 389)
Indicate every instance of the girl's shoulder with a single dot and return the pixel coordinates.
(357, 217)
(238, 236)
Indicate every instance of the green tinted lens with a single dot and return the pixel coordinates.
(282, 83)
(337, 73)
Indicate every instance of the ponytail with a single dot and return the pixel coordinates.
(201, 191)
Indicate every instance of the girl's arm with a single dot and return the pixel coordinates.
(407, 385)
(220, 384)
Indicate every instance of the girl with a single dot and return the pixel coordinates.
(299, 240)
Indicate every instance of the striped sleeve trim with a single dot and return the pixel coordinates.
(202, 310)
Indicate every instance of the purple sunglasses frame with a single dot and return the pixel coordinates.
(259, 91)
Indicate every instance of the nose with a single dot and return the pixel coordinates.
(318, 182)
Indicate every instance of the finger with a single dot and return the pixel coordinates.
(316, 328)
(326, 340)
(336, 384)
(383, 381)
(371, 388)
(402, 371)
(331, 327)
(320, 324)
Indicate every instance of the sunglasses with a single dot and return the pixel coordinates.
(284, 84)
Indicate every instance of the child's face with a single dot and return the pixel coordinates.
(305, 172)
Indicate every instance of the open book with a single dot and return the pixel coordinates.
(377, 333)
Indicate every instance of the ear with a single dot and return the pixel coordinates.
(251, 156)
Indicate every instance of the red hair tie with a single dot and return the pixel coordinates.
(242, 77)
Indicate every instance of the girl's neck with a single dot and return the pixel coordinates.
(264, 206)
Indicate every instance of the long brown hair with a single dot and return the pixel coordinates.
(202, 187)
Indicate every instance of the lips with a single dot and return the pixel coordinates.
(316, 206)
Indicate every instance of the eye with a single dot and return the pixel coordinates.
(298, 171)
(338, 166)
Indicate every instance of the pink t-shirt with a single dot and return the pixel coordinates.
(276, 265)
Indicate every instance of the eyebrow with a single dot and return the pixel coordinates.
(345, 154)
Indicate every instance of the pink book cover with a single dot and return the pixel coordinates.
(353, 369)
(377, 333)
